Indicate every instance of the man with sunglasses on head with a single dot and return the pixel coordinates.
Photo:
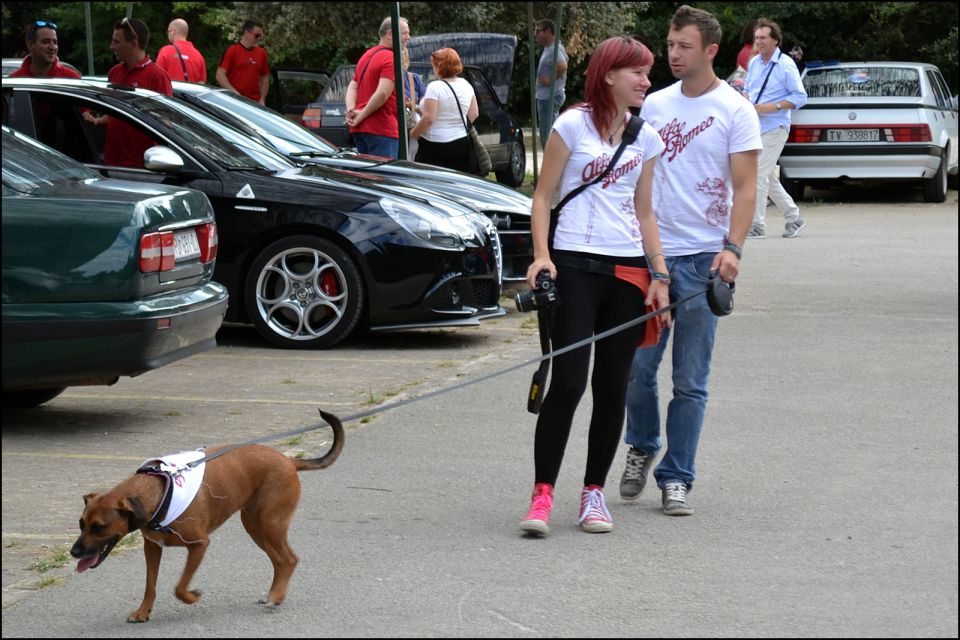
(244, 68)
(42, 61)
(125, 143)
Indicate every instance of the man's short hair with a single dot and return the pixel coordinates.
(547, 25)
(775, 32)
(250, 25)
(387, 26)
(132, 27)
(704, 21)
(31, 35)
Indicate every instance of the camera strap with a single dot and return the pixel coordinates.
(545, 316)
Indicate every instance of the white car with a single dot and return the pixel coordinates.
(873, 121)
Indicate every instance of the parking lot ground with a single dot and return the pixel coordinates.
(826, 504)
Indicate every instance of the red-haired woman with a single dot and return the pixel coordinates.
(610, 225)
(442, 132)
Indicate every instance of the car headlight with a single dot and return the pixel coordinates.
(431, 226)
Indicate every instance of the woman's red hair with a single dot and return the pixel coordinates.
(621, 52)
(446, 62)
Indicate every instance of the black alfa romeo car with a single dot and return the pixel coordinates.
(307, 253)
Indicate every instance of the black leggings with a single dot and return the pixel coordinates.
(590, 303)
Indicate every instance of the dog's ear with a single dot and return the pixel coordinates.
(136, 514)
(90, 496)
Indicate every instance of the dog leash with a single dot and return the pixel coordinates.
(466, 383)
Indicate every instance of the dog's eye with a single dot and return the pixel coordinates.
(96, 528)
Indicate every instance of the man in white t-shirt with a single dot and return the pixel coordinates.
(704, 190)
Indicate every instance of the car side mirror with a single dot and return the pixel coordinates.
(162, 159)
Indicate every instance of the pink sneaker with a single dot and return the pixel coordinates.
(594, 517)
(539, 514)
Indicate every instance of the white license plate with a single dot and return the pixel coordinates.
(185, 245)
(853, 135)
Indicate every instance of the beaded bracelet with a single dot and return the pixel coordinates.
(733, 248)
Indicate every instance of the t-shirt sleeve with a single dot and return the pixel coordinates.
(570, 126)
(745, 133)
(651, 143)
(227, 59)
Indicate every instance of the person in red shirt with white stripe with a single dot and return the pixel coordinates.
(42, 61)
(125, 143)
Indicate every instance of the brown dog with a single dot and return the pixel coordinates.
(258, 481)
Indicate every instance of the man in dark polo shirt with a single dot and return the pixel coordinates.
(125, 143)
(42, 61)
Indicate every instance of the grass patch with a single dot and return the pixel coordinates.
(57, 558)
(293, 440)
(49, 581)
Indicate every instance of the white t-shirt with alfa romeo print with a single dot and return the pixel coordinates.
(601, 219)
(692, 185)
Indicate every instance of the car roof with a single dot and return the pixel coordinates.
(870, 63)
(83, 85)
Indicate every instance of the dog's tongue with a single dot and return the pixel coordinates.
(86, 563)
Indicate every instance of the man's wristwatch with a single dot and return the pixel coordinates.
(778, 106)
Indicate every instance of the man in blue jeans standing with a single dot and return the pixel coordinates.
(545, 34)
(704, 191)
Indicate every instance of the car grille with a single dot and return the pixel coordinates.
(485, 292)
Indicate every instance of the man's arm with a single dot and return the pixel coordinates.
(222, 80)
(264, 87)
(377, 100)
(743, 170)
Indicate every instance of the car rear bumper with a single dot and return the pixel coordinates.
(859, 162)
(58, 345)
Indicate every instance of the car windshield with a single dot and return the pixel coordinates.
(207, 135)
(29, 166)
(858, 82)
(284, 134)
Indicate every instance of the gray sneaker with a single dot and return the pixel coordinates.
(635, 474)
(674, 499)
(792, 229)
(757, 233)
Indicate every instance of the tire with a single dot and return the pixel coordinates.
(794, 188)
(935, 188)
(29, 398)
(304, 292)
(513, 175)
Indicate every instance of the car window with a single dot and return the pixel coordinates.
(207, 135)
(942, 98)
(301, 88)
(29, 166)
(336, 89)
(855, 82)
(284, 134)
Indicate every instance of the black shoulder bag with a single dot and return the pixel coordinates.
(545, 315)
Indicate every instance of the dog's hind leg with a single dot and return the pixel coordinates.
(195, 552)
(268, 528)
(152, 552)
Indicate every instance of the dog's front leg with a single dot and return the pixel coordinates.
(152, 552)
(194, 557)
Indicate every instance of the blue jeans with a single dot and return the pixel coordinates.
(543, 113)
(374, 145)
(694, 329)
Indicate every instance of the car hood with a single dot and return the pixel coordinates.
(489, 197)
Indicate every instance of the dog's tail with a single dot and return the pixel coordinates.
(329, 457)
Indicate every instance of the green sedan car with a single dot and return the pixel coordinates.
(101, 278)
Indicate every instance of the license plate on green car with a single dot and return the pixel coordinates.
(185, 245)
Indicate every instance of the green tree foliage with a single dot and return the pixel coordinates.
(321, 35)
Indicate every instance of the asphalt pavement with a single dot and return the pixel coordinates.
(826, 503)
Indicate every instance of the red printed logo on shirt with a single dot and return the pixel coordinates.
(676, 139)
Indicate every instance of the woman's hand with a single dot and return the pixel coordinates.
(536, 267)
(658, 296)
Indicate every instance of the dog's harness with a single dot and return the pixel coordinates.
(181, 482)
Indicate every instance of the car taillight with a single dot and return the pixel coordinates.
(157, 252)
(801, 134)
(908, 133)
(312, 118)
(207, 237)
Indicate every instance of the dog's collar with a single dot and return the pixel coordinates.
(155, 469)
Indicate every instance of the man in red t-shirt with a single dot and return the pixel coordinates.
(371, 97)
(180, 59)
(42, 61)
(244, 68)
(126, 143)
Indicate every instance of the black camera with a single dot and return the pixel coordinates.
(542, 296)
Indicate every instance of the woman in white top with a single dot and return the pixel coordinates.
(606, 243)
(442, 131)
